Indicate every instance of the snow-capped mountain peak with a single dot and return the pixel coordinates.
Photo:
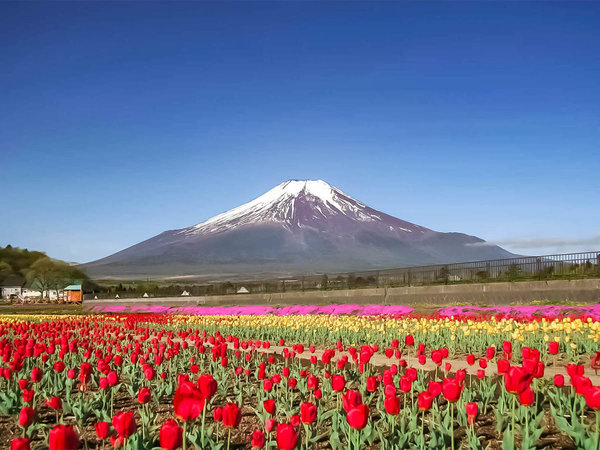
(298, 227)
(294, 203)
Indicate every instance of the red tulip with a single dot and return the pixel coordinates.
(503, 366)
(102, 429)
(405, 384)
(471, 409)
(232, 415)
(258, 439)
(20, 444)
(490, 352)
(36, 374)
(113, 378)
(85, 370)
(581, 384)
(409, 340)
(527, 397)
(149, 373)
(358, 416)
(312, 383)
(207, 385)
(55, 403)
(451, 389)
(434, 388)
(28, 395)
(592, 397)
(516, 380)
(424, 400)
(338, 383)
(553, 347)
(372, 384)
(171, 435)
(411, 373)
(124, 424)
(287, 438)
(63, 437)
(295, 421)
(392, 405)
(470, 359)
(144, 395)
(559, 380)
(351, 399)
(269, 406)
(270, 424)
(267, 385)
(308, 412)
(26, 416)
(188, 401)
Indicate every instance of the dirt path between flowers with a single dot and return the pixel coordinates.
(381, 361)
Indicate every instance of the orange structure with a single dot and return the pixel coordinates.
(73, 293)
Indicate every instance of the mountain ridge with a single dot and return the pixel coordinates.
(297, 227)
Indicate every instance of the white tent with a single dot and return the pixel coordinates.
(185, 293)
(145, 295)
(243, 290)
(117, 296)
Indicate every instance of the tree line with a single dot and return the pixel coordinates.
(42, 273)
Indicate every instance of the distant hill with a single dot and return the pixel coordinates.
(298, 227)
(22, 264)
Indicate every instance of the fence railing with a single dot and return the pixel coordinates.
(542, 267)
(546, 267)
(565, 265)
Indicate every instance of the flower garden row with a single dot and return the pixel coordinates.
(212, 381)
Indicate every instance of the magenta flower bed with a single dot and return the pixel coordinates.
(336, 310)
(549, 311)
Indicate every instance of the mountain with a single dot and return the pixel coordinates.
(298, 227)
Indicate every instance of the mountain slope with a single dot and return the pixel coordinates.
(296, 227)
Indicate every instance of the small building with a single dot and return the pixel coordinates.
(12, 286)
(243, 290)
(73, 293)
(185, 294)
(145, 295)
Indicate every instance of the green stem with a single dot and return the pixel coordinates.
(452, 426)
(228, 438)
(597, 430)
(184, 447)
(203, 417)
(514, 399)
(526, 424)
(306, 437)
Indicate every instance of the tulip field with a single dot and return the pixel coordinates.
(372, 380)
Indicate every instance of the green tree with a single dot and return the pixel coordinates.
(513, 272)
(5, 270)
(41, 275)
(324, 281)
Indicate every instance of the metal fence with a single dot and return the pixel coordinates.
(566, 265)
(547, 267)
(574, 265)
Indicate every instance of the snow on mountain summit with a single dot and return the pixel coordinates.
(293, 204)
(298, 227)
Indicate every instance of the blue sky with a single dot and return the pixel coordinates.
(122, 120)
